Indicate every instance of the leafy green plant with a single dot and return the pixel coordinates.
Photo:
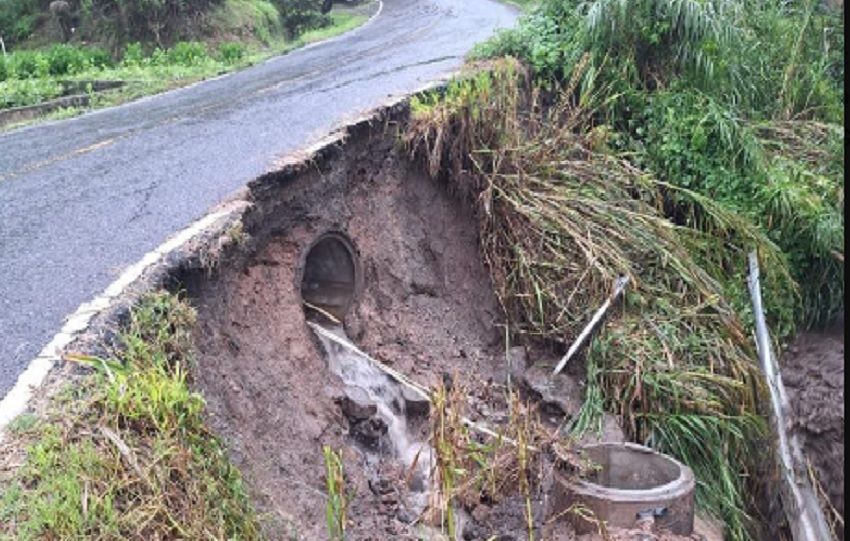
(231, 53)
(187, 53)
(18, 19)
(298, 16)
(337, 505)
(18, 93)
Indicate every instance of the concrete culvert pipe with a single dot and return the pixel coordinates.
(632, 483)
(330, 274)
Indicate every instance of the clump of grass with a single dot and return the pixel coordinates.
(127, 455)
(336, 512)
(472, 467)
(561, 216)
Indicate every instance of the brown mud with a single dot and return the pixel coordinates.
(813, 373)
(424, 306)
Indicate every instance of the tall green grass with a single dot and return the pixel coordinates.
(125, 454)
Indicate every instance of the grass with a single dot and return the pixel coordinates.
(124, 453)
(160, 73)
(337, 505)
(472, 468)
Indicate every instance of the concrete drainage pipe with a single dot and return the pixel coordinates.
(632, 482)
(330, 275)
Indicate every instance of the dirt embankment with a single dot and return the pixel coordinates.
(813, 372)
(424, 306)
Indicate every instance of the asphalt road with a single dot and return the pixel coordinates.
(82, 199)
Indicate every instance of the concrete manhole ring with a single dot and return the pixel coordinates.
(632, 482)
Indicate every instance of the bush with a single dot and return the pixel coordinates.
(28, 65)
(17, 93)
(231, 53)
(134, 55)
(66, 60)
(187, 53)
(18, 18)
(298, 16)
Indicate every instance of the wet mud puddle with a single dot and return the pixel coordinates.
(386, 421)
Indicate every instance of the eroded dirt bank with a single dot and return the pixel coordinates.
(424, 305)
(813, 372)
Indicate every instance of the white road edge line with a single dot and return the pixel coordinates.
(17, 399)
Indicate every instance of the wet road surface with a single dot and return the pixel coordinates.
(82, 199)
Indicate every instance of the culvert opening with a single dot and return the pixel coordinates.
(329, 279)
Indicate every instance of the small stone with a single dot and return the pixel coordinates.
(480, 513)
(356, 404)
(415, 405)
(559, 391)
(517, 360)
(369, 431)
(405, 515)
(416, 483)
(472, 532)
(380, 487)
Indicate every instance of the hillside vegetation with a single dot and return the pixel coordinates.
(660, 140)
(152, 46)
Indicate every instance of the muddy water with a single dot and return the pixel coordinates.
(358, 372)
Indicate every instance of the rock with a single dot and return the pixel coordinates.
(381, 487)
(417, 483)
(559, 392)
(480, 513)
(612, 432)
(369, 431)
(517, 360)
(472, 532)
(356, 404)
(415, 405)
(403, 514)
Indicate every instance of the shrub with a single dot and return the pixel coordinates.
(65, 60)
(134, 55)
(231, 52)
(18, 93)
(299, 16)
(187, 53)
(27, 65)
(18, 19)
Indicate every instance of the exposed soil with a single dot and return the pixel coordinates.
(425, 307)
(813, 373)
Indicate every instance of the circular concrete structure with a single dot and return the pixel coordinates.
(330, 274)
(632, 482)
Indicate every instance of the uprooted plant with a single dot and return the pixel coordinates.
(473, 467)
(562, 216)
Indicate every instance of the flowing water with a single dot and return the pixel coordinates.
(358, 371)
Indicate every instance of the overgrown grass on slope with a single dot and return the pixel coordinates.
(730, 99)
(125, 454)
(561, 217)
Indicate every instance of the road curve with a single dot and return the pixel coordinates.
(82, 199)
